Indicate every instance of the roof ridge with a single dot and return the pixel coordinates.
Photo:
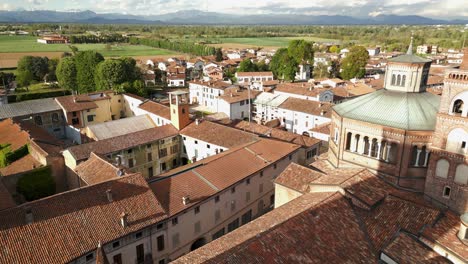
(205, 180)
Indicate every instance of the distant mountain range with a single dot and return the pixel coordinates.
(213, 18)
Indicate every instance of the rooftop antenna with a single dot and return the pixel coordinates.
(410, 48)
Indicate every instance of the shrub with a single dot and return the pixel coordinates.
(13, 156)
(4, 150)
(36, 184)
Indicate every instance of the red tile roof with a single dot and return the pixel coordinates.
(110, 145)
(248, 74)
(234, 95)
(217, 134)
(274, 133)
(157, 109)
(69, 225)
(297, 177)
(202, 179)
(315, 228)
(322, 129)
(444, 233)
(22, 165)
(307, 106)
(305, 89)
(11, 133)
(406, 249)
(97, 169)
(73, 103)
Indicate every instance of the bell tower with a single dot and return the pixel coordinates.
(179, 105)
(407, 73)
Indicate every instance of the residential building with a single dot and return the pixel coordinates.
(119, 127)
(215, 196)
(149, 152)
(304, 72)
(119, 217)
(354, 217)
(254, 76)
(373, 51)
(306, 91)
(206, 93)
(52, 40)
(176, 80)
(45, 113)
(203, 139)
(426, 49)
(265, 107)
(235, 103)
(310, 147)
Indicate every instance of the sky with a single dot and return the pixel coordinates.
(442, 9)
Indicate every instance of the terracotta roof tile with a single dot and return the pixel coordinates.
(73, 222)
(209, 176)
(11, 133)
(444, 233)
(157, 109)
(323, 128)
(217, 134)
(247, 74)
(307, 106)
(285, 236)
(22, 165)
(97, 169)
(297, 177)
(234, 95)
(274, 133)
(110, 145)
(305, 89)
(73, 103)
(406, 249)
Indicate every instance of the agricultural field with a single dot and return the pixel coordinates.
(271, 42)
(12, 48)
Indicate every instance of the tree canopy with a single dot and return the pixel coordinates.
(301, 51)
(66, 73)
(283, 66)
(353, 66)
(32, 68)
(86, 63)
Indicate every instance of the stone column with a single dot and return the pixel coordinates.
(379, 145)
(416, 164)
(352, 143)
(369, 151)
(389, 147)
(360, 145)
(426, 158)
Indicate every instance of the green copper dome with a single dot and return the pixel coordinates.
(408, 111)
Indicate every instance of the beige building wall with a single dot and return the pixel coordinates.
(284, 195)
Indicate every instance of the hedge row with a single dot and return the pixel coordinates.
(7, 156)
(12, 98)
(36, 184)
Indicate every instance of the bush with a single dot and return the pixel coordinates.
(38, 95)
(13, 156)
(36, 184)
(4, 149)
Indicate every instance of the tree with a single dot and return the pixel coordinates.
(321, 70)
(353, 66)
(36, 184)
(334, 49)
(38, 67)
(262, 66)
(24, 78)
(51, 75)
(247, 66)
(86, 63)
(334, 69)
(301, 51)
(110, 74)
(283, 66)
(66, 73)
(73, 49)
(219, 54)
(6, 79)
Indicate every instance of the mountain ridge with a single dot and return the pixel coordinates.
(213, 18)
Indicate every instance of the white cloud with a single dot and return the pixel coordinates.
(6, 7)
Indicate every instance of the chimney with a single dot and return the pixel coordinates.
(186, 200)
(120, 172)
(322, 113)
(118, 161)
(109, 195)
(197, 121)
(123, 219)
(74, 99)
(29, 215)
(463, 232)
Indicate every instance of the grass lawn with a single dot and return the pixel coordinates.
(37, 88)
(272, 42)
(13, 44)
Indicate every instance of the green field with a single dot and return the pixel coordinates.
(273, 41)
(13, 44)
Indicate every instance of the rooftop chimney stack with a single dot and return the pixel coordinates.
(109, 195)
(463, 232)
(186, 200)
(29, 216)
(123, 219)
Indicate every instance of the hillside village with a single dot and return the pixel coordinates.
(218, 168)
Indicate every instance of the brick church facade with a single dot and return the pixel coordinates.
(411, 138)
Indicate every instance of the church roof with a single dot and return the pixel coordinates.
(409, 58)
(408, 111)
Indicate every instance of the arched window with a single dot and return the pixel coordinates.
(457, 140)
(461, 174)
(457, 106)
(55, 117)
(442, 168)
(348, 141)
(403, 80)
(393, 79)
(414, 154)
(398, 80)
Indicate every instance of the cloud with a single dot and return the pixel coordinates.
(6, 7)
